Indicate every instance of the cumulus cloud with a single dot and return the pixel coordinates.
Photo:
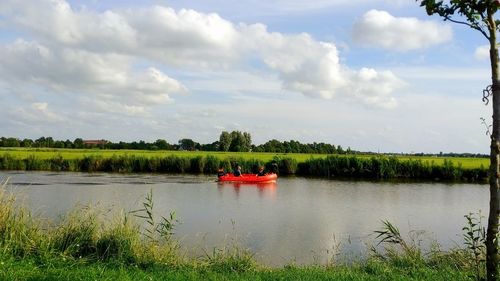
(184, 37)
(482, 52)
(96, 53)
(375, 88)
(107, 76)
(313, 68)
(380, 29)
(37, 112)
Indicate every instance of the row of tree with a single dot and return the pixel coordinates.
(234, 141)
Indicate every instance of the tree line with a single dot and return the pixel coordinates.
(234, 141)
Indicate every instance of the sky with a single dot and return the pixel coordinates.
(373, 75)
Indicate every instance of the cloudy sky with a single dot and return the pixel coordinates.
(377, 75)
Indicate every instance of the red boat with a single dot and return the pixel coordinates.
(248, 178)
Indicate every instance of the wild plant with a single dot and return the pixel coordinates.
(230, 259)
(164, 228)
(158, 245)
(76, 236)
(119, 241)
(211, 164)
(474, 235)
(197, 164)
(390, 234)
(19, 233)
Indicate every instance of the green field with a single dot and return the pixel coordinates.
(48, 153)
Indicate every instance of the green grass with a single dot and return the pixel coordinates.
(27, 269)
(69, 154)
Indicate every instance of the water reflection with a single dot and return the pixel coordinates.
(265, 190)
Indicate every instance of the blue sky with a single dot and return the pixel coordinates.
(377, 75)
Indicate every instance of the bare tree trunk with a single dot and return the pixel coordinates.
(492, 259)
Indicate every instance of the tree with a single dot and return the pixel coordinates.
(11, 142)
(58, 144)
(187, 144)
(162, 144)
(40, 142)
(78, 143)
(224, 141)
(240, 142)
(480, 16)
(26, 142)
(68, 144)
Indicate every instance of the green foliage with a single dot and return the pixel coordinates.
(20, 236)
(240, 142)
(224, 141)
(475, 12)
(188, 144)
(154, 230)
(390, 234)
(77, 235)
(118, 241)
(475, 238)
(212, 164)
(231, 259)
(197, 165)
(387, 168)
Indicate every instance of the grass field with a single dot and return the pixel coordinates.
(48, 153)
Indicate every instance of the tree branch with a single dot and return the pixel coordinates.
(469, 25)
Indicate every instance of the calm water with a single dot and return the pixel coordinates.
(295, 219)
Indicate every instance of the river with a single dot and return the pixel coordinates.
(298, 220)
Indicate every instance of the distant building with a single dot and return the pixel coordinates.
(95, 142)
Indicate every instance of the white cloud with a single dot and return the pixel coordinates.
(184, 37)
(65, 70)
(313, 68)
(37, 113)
(376, 88)
(95, 52)
(482, 52)
(380, 29)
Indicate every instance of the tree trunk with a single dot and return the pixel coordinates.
(492, 259)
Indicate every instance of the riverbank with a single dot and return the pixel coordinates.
(93, 244)
(327, 166)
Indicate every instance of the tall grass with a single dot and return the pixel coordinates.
(400, 250)
(388, 168)
(334, 166)
(85, 233)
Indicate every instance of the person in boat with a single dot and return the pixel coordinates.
(261, 172)
(237, 171)
(220, 172)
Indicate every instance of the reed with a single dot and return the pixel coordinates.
(333, 166)
(20, 234)
(388, 168)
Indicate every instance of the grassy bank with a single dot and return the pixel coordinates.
(26, 269)
(330, 166)
(89, 245)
